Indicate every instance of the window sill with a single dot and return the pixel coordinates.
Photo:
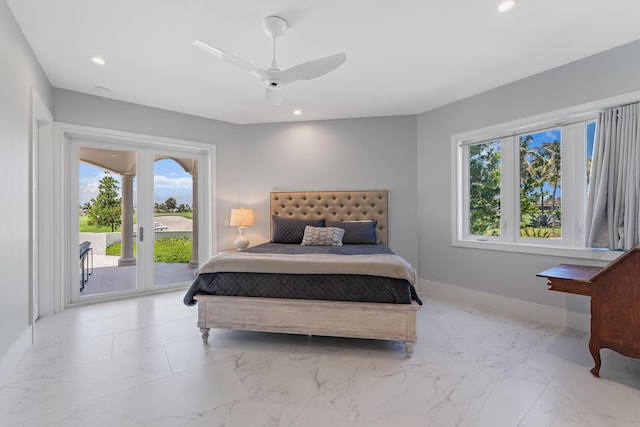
(581, 253)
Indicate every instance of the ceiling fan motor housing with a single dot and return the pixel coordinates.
(272, 78)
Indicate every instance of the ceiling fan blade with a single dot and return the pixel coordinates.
(228, 57)
(312, 69)
(273, 95)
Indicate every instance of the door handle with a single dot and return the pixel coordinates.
(141, 234)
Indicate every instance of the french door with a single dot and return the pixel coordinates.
(137, 210)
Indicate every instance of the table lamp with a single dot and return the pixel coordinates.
(241, 218)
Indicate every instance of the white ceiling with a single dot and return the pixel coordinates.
(403, 56)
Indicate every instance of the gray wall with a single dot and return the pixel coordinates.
(19, 73)
(94, 111)
(87, 110)
(255, 159)
(365, 153)
(611, 73)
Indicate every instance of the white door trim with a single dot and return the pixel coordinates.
(39, 209)
(64, 134)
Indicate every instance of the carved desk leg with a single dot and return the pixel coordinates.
(409, 346)
(205, 334)
(594, 348)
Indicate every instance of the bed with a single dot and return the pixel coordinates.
(359, 289)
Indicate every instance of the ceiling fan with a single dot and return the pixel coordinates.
(273, 78)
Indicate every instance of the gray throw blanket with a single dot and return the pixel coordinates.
(383, 265)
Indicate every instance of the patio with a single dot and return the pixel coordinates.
(108, 277)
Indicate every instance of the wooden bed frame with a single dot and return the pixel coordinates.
(310, 317)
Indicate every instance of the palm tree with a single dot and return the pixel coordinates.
(170, 204)
(539, 166)
(553, 176)
(528, 182)
(554, 166)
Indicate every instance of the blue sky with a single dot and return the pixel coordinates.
(591, 134)
(170, 180)
(548, 136)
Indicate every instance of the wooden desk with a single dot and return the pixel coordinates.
(570, 278)
(615, 301)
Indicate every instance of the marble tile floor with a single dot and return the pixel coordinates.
(140, 362)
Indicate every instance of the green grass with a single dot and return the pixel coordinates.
(86, 228)
(167, 249)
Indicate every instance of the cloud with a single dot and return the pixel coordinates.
(89, 179)
(88, 191)
(162, 181)
(178, 187)
(553, 135)
(89, 186)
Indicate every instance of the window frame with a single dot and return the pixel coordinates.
(571, 244)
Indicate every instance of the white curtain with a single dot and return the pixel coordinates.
(613, 208)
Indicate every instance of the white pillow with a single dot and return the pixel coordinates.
(322, 236)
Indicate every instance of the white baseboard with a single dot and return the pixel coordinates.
(509, 306)
(15, 353)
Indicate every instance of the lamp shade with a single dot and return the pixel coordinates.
(241, 217)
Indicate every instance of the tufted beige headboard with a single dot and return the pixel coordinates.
(335, 206)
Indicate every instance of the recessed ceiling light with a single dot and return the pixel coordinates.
(297, 112)
(506, 5)
(98, 60)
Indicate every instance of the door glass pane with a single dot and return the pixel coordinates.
(541, 185)
(175, 212)
(106, 249)
(484, 189)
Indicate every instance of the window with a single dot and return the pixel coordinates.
(540, 158)
(524, 187)
(484, 189)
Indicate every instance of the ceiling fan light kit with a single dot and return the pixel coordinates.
(273, 78)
